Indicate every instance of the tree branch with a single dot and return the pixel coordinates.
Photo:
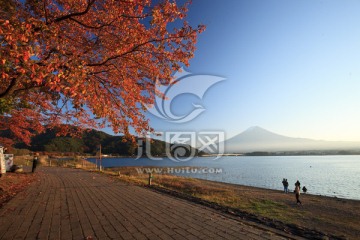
(88, 26)
(59, 19)
(137, 17)
(45, 12)
(9, 89)
(107, 24)
(28, 88)
(130, 51)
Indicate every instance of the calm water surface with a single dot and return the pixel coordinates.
(322, 175)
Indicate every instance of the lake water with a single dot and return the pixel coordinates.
(322, 175)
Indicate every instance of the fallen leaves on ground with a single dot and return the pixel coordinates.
(13, 183)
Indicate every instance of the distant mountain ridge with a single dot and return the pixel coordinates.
(89, 143)
(260, 139)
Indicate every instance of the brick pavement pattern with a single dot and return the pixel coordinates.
(76, 204)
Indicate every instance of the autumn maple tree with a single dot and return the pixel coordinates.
(87, 63)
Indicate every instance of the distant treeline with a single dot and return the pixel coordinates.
(89, 143)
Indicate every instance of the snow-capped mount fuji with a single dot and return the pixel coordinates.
(259, 139)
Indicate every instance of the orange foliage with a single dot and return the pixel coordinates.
(88, 63)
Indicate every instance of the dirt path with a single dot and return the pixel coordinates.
(75, 204)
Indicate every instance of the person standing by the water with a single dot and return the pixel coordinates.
(297, 183)
(297, 194)
(283, 182)
(286, 185)
(35, 162)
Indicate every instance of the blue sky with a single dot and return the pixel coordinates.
(292, 67)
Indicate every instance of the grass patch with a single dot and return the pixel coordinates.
(263, 206)
(273, 210)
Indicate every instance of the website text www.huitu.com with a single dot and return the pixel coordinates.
(180, 170)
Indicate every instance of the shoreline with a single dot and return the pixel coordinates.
(247, 154)
(154, 169)
(277, 190)
(281, 191)
(115, 169)
(319, 216)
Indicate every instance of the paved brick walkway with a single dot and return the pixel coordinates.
(75, 204)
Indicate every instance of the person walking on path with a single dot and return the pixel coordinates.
(297, 194)
(35, 162)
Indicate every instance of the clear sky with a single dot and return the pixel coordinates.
(291, 67)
